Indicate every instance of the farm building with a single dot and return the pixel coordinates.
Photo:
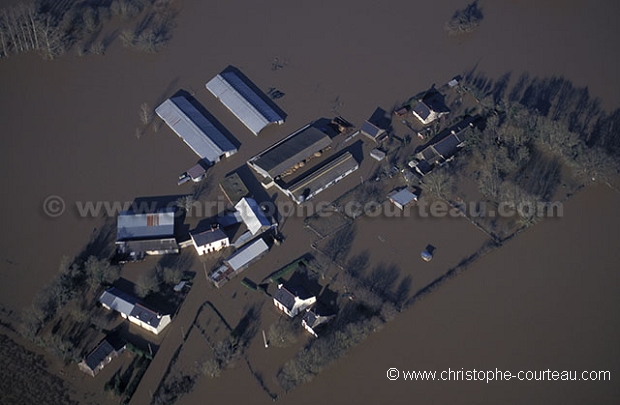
(293, 299)
(247, 255)
(402, 198)
(140, 234)
(211, 240)
(252, 215)
(244, 100)
(290, 152)
(371, 131)
(198, 132)
(377, 154)
(321, 177)
(239, 261)
(234, 188)
(100, 357)
(131, 309)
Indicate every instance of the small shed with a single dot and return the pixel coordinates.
(402, 198)
(377, 154)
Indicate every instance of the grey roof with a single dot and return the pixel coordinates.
(247, 254)
(422, 110)
(149, 245)
(243, 101)
(377, 154)
(146, 315)
(429, 154)
(99, 354)
(403, 197)
(322, 176)
(286, 295)
(131, 225)
(252, 215)
(118, 301)
(448, 146)
(285, 154)
(423, 167)
(208, 236)
(195, 129)
(314, 318)
(371, 129)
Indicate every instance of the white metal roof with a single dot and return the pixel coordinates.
(248, 253)
(243, 101)
(252, 215)
(195, 129)
(403, 197)
(117, 301)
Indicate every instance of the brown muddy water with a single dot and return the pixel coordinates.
(544, 301)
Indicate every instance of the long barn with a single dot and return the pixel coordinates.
(244, 100)
(196, 130)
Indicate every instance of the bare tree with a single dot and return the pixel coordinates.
(283, 333)
(146, 114)
(465, 20)
(147, 283)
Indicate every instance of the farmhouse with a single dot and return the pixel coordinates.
(425, 113)
(287, 154)
(244, 100)
(313, 318)
(443, 147)
(198, 132)
(252, 215)
(321, 177)
(210, 240)
(131, 309)
(100, 357)
(293, 299)
(139, 234)
(402, 198)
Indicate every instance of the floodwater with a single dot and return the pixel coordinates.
(543, 301)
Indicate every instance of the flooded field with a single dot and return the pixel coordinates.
(542, 301)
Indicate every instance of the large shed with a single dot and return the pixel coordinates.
(244, 100)
(322, 177)
(247, 255)
(290, 151)
(198, 132)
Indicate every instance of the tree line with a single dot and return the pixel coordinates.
(52, 28)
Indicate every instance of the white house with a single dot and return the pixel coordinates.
(312, 319)
(292, 301)
(129, 308)
(211, 240)
(100, 357)
(425, 113)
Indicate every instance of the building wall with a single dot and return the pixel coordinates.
(212, 247)
(301, 305)
(282, 308)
